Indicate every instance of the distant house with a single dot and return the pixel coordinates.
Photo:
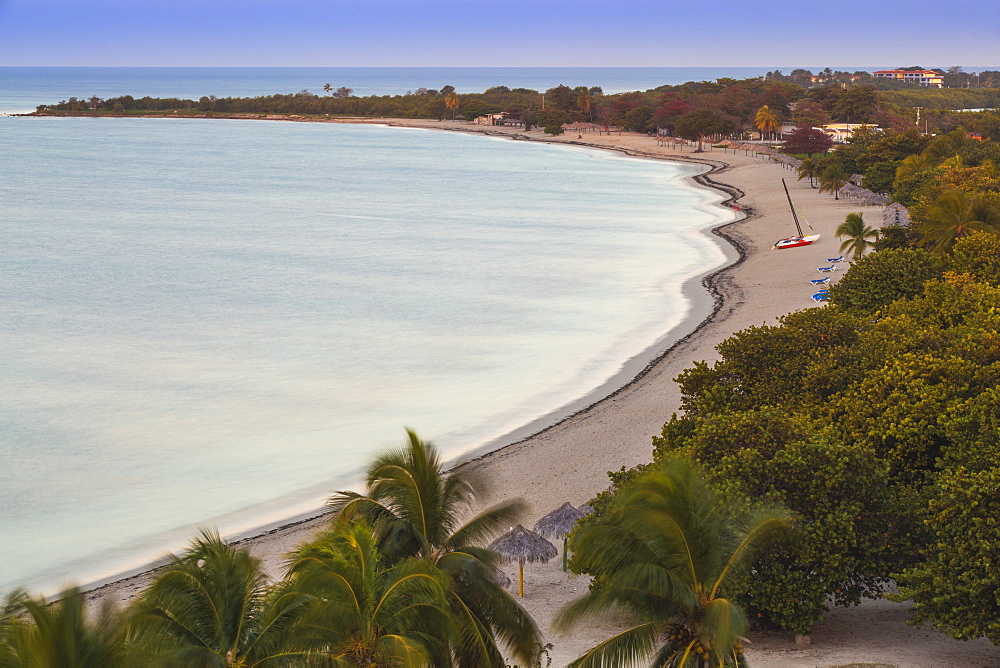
(840, 132)
(919, 77)
(490, 119)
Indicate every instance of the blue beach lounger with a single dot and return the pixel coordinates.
(832, 267)
(835, 259)
(821, 297)
(820, 281)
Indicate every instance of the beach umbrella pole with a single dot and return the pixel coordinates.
(520, 578)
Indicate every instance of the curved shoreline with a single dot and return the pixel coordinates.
(567, 460)
(724, 294)
(711, 284)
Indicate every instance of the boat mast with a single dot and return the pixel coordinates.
(791, 206)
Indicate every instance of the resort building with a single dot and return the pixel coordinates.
(490, 119)
(840, 132)
(919, 77)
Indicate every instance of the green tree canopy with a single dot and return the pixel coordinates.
(669, 552)
(416, 512)
(696, 125)
(882, 278)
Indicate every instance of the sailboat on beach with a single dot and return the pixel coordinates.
(801, 239)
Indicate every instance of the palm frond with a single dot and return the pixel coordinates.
(622, 649)
(485, 525)
(723, 623)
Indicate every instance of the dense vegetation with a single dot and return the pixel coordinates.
(394, 581)
(729, 105)
(874, 419)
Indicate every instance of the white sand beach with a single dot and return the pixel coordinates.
(569, 460)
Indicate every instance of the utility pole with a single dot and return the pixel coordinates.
(918, 115)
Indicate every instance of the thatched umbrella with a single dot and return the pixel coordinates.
(558, 524)
(521, 545)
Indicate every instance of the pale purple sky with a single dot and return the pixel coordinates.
(582, 33)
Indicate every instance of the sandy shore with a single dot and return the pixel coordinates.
(569, 461)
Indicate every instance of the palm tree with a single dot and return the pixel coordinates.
(212, 606)
(912, 164)
(584, 102)
(946, 146)
(857, 233)
(327, 88)
(415, 511)
(667, 551)
(809, 169)
(365, 612)
(833, 179)
(451, 101)
(58, 634)
(956, 214)
(766, 121)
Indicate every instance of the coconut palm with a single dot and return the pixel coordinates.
(667, 551)
(913, 164)
(365, 612)
(415, 511)
(58, 635)
(451, 101)
(955, 214)
(809, 169)
(857, 233)
(584, 102)
(212, 606)
(947, 146)
(766, 121)
(833, 179)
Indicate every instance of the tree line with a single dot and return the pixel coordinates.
(398, 578)
(873, 419)
(732, 105)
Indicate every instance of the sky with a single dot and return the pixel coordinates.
(480, 33)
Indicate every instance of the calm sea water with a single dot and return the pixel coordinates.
(217, 322)
(24, 88)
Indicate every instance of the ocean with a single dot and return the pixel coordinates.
(213, 322)
(22, 89)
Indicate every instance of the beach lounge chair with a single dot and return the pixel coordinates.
(821, 297)
(820, 281)
(835, 259)
(832, 267)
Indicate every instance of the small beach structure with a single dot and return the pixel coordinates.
(521, 545)
(896, 214)
(558, 524)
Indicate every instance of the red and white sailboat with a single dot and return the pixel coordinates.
(800, 239)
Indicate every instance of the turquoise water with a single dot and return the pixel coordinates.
(218, 321)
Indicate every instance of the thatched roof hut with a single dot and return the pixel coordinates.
(896, 214)
(521, 545)
(559, 522)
